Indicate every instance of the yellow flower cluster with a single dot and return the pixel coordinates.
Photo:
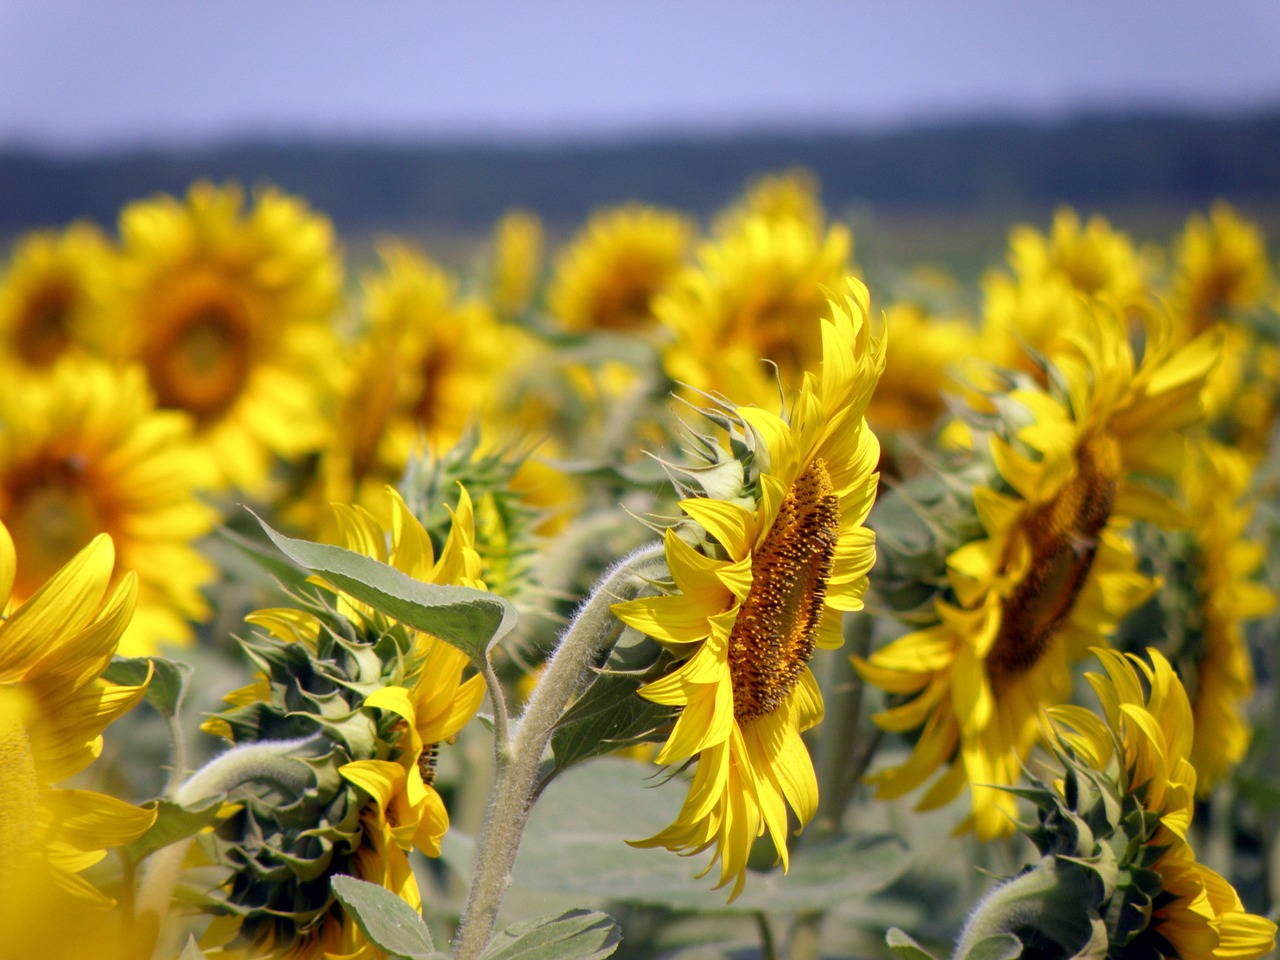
(1079, 450)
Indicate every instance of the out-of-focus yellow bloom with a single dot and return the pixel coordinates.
(54, 706)
(793, 195)
(1032, 313)
(1220, 269)
(607, 277)
(517, 262)
(1148, 736)
(920, 361)
(1053, 574)
(1217, 481)
(230, 312)
(83, 452)
(429, 366)
(47, 293)
(769, 582)
(745, 320)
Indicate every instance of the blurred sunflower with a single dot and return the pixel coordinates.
(376, 700)
(54, 706)
(46, 294)
(920, 368)
(745, 319)
(1031, 313)
(428, 366)
(230, 312)
(793, 195)
(1220, 270)
(1210, 593)
(770, 572)
(517, 262)
(83, 452)
(1220, 276)
(1163, 902)
(607, 276)
(1053, 573)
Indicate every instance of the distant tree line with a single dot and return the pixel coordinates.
(1089, 161)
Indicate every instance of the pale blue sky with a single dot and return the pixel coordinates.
(88, 73)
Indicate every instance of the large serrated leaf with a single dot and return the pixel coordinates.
(904, 948)
(168, 679)
(173, 823)
(576, 935)
(388, 922)
(468, 619)
(611, 715)
(576, 844)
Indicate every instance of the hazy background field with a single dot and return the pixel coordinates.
(932, 126)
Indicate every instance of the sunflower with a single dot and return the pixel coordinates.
(759, 581)
(229, 311)
(1032, 312)
(426, 368)
(517, 262)
(920, 366)
(377, 700)
(1173, 906)
(607, 276)
(83, 452)
(54, 706)
(744, 318)
(47, 294)
(1054, 572)
(1220, 269)
(1222, 565)
(1220, 276)
(793, 195)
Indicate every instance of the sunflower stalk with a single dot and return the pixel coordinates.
(518, 766)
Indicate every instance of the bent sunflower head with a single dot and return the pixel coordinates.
(1054, 571)
(760, 577)
(375, 701)
(1161, 901)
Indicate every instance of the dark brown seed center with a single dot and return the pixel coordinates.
(1063, 536)
(777, 625)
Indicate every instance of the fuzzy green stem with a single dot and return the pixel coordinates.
(1016, 903)
(272, 761)
(517, 768)
(768, 948)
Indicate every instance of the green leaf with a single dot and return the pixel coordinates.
(576, 935)
(610, 715)
(904, 948)
(168, 680)
(388, 922)
(468, 619)
(173, 823)
(575, 843)
(1002, 946)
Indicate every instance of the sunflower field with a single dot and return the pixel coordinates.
(410, 611)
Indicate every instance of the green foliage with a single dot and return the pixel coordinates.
(388, 922)
(174, 822)
(168, 684)
(575, 935)
(469, 619)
